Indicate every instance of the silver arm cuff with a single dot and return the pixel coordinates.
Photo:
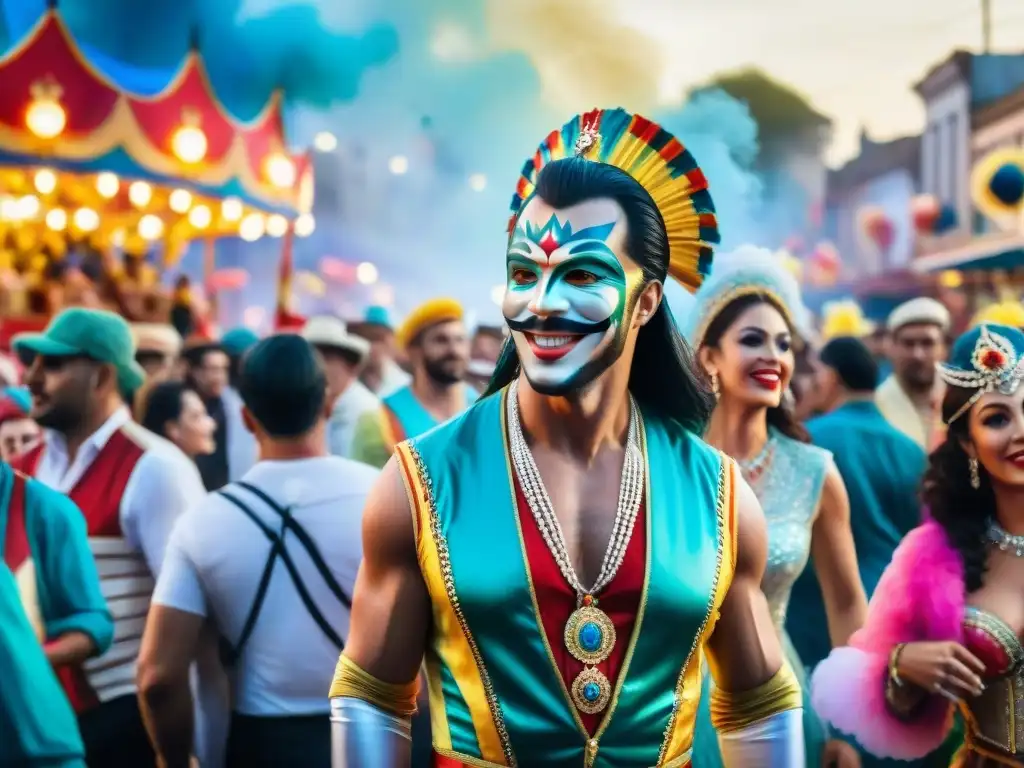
(776, 741)
(364, 736)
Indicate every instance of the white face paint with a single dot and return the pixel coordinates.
(569, 292)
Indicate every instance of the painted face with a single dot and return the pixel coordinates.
(754, 359)
(996, 429)
(571, 292)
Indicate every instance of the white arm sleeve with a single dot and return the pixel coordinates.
(777, 741)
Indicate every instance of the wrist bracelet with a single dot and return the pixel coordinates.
(894, 660)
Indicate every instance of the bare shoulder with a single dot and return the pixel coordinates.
(389, 534)
(834, 499)
(751, 531)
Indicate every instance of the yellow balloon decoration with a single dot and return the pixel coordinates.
(997, 183)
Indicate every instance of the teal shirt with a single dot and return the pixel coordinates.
(882, 470)
(36, 720)
(496, 693)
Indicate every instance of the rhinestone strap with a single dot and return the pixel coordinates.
(1007, 542)
(630, 495)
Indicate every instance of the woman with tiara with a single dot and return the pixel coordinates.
(746, 323)
(945, 624)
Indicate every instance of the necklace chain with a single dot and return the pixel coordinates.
(753, 468)
(1006, 541)
(630, 495)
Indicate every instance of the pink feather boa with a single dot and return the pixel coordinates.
(919, 597)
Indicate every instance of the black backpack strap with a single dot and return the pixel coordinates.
(307, 541)
(277, 549)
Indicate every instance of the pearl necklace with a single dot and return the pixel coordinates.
(1007, 542)
(589, 634)
(752, 469)
(630, 494)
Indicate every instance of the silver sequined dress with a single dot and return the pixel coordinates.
(789, 489)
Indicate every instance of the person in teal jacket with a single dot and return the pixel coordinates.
(52, 618)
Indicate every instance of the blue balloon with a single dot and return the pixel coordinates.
(1007, 184)
(947, 219)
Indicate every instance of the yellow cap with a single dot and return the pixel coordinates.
(1010, 313)
(424, 316)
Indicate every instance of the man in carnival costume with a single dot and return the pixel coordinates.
(560, 599)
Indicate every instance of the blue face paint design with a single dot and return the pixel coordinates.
(566, 301)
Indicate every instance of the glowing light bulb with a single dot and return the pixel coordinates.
(45, 181)
(200, 217)
(107, 184)
(277, 225)
(366, 273)
(57, 219)
(8, 209)
(45, 117)
(180, 200)
(231, 209)
(478, 182)
(280, 170)
(27, 207)
(305, 224)
(252, 228)
(325, 141)
(189, 143)
(150, 227)
(86, 220)
(140, 193)
(398, 165)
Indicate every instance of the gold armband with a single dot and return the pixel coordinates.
(353, 681)
(733, 711)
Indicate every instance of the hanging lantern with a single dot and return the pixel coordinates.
(997, 184)
(189, 142)
(45, 116)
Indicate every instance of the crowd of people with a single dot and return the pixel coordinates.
(601, 535)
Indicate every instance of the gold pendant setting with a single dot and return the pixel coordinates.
(589, 634)
(591, 691)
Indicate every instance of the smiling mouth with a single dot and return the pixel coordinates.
(767, 379)
(550, 347)
(1017, 458)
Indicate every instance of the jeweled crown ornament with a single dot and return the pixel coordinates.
(993, 365)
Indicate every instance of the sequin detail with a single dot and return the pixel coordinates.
(789, 491)
(453, 598)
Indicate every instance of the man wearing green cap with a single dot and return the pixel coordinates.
(130, 486)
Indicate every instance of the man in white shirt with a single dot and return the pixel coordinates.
(130, 486)
(272, 560)
(348, 398)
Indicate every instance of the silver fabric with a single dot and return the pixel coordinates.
(365, 736)
(789, 489)
(776, 741)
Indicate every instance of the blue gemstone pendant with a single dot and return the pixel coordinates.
(591, 691)
(589, 635)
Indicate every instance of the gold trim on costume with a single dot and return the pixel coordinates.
(735, 711)
(355, 682)
(435, 562)
(591, 741)
(674, 738)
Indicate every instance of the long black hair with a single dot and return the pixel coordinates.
(962, 511)
(664, 376)
(780, 417)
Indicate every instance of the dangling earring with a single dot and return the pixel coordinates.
(714, 385)
(972, 467)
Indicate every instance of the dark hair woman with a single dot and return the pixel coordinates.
(173, 410)
(746, 323)
(946, 619)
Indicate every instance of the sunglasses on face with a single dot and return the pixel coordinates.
(54, 363)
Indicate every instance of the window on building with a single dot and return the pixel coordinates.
(952, 160)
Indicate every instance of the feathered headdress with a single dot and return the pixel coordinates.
(662, 166)
(844, 318)
(747, 271)
(1009, 313)
(988, 358)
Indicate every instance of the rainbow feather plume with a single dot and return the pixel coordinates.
(660, 164)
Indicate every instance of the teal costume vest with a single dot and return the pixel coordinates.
(497, 697)
(413, 418)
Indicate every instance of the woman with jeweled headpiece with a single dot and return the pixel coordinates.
(746, 324)
(945, 623)
(565, 553)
